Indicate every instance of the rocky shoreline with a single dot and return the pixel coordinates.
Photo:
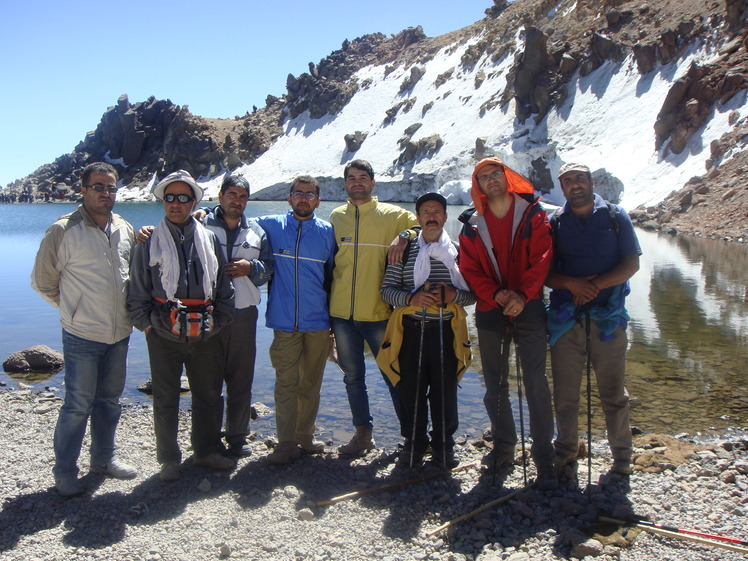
(262, 512)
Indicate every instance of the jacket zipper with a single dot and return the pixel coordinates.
(296, 276)
(355, 264)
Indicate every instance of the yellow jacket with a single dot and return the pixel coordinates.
(388, 357)
(364, 233)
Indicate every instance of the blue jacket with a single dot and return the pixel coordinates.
(303, 252)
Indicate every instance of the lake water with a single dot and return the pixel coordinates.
(686, 362)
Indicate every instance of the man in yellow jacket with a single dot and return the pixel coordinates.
(364, 229)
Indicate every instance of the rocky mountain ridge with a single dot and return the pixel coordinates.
(156, 136)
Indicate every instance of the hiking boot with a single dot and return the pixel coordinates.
(438, 459)
(238, 450)
(362, 441)
(214, 461)
(169, 471)
(309, 445)
(622, 467)
(404, 459)
(546, 480)
(284, 453)
(69, 485)
(504, 459)
(560, 461)
(116, 469)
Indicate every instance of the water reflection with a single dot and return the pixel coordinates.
(689, 334)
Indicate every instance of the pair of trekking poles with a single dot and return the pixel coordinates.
(419, 372)
(518, 366)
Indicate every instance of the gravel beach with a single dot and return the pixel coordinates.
(263, 512)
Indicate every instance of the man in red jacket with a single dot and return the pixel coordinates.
(505, 254)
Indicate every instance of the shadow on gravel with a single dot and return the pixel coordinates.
(570, 513)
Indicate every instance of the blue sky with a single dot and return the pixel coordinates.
(64, 63)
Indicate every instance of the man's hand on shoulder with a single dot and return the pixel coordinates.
(144, 234)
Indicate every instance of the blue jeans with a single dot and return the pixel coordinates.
(94, 381)
(349, 338)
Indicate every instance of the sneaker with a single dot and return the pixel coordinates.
(239, 450)
(284, 453)
(69, 486)
(169, 471)
(362, 441)
(214, 461)
(546, 480)
(622, 467)
(116, 469)
(309, 445)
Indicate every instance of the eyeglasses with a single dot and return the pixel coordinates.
(99, 188)
(308, 195)
(171, 197)
(499, 173)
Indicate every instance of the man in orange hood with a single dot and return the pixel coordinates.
(505, 254)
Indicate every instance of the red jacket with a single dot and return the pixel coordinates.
(531, 254)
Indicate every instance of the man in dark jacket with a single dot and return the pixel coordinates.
(505, 254)
(180, 297)
(596, 253)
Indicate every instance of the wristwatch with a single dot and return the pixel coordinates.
(405, 234)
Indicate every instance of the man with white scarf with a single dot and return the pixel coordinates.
(180, 296)
(416, 359)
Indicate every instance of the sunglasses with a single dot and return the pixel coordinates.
(99, 188)
(171, 197)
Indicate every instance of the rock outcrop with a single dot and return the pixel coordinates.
(39, 358)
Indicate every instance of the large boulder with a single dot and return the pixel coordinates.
(39, 358)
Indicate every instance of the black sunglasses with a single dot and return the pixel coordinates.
(99, 188)
(171, 197)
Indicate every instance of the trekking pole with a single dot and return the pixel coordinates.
(518, 367)
(503, 382)
(680, 535)
(637, 522)
(441, 361)
(588, 346)
(418, 388)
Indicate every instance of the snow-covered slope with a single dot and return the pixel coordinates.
(606, 121)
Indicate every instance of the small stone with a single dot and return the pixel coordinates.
(225, 551)
(306, 515)
(204, 485)
(588, 547)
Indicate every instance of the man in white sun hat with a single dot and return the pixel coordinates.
(180, 297)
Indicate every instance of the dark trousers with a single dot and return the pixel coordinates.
(200, 360)
(429, 393)
(237, 365)
(494, 337)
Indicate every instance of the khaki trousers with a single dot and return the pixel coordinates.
(568, 363)
(299, 362)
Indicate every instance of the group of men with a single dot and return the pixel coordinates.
(191, 285)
